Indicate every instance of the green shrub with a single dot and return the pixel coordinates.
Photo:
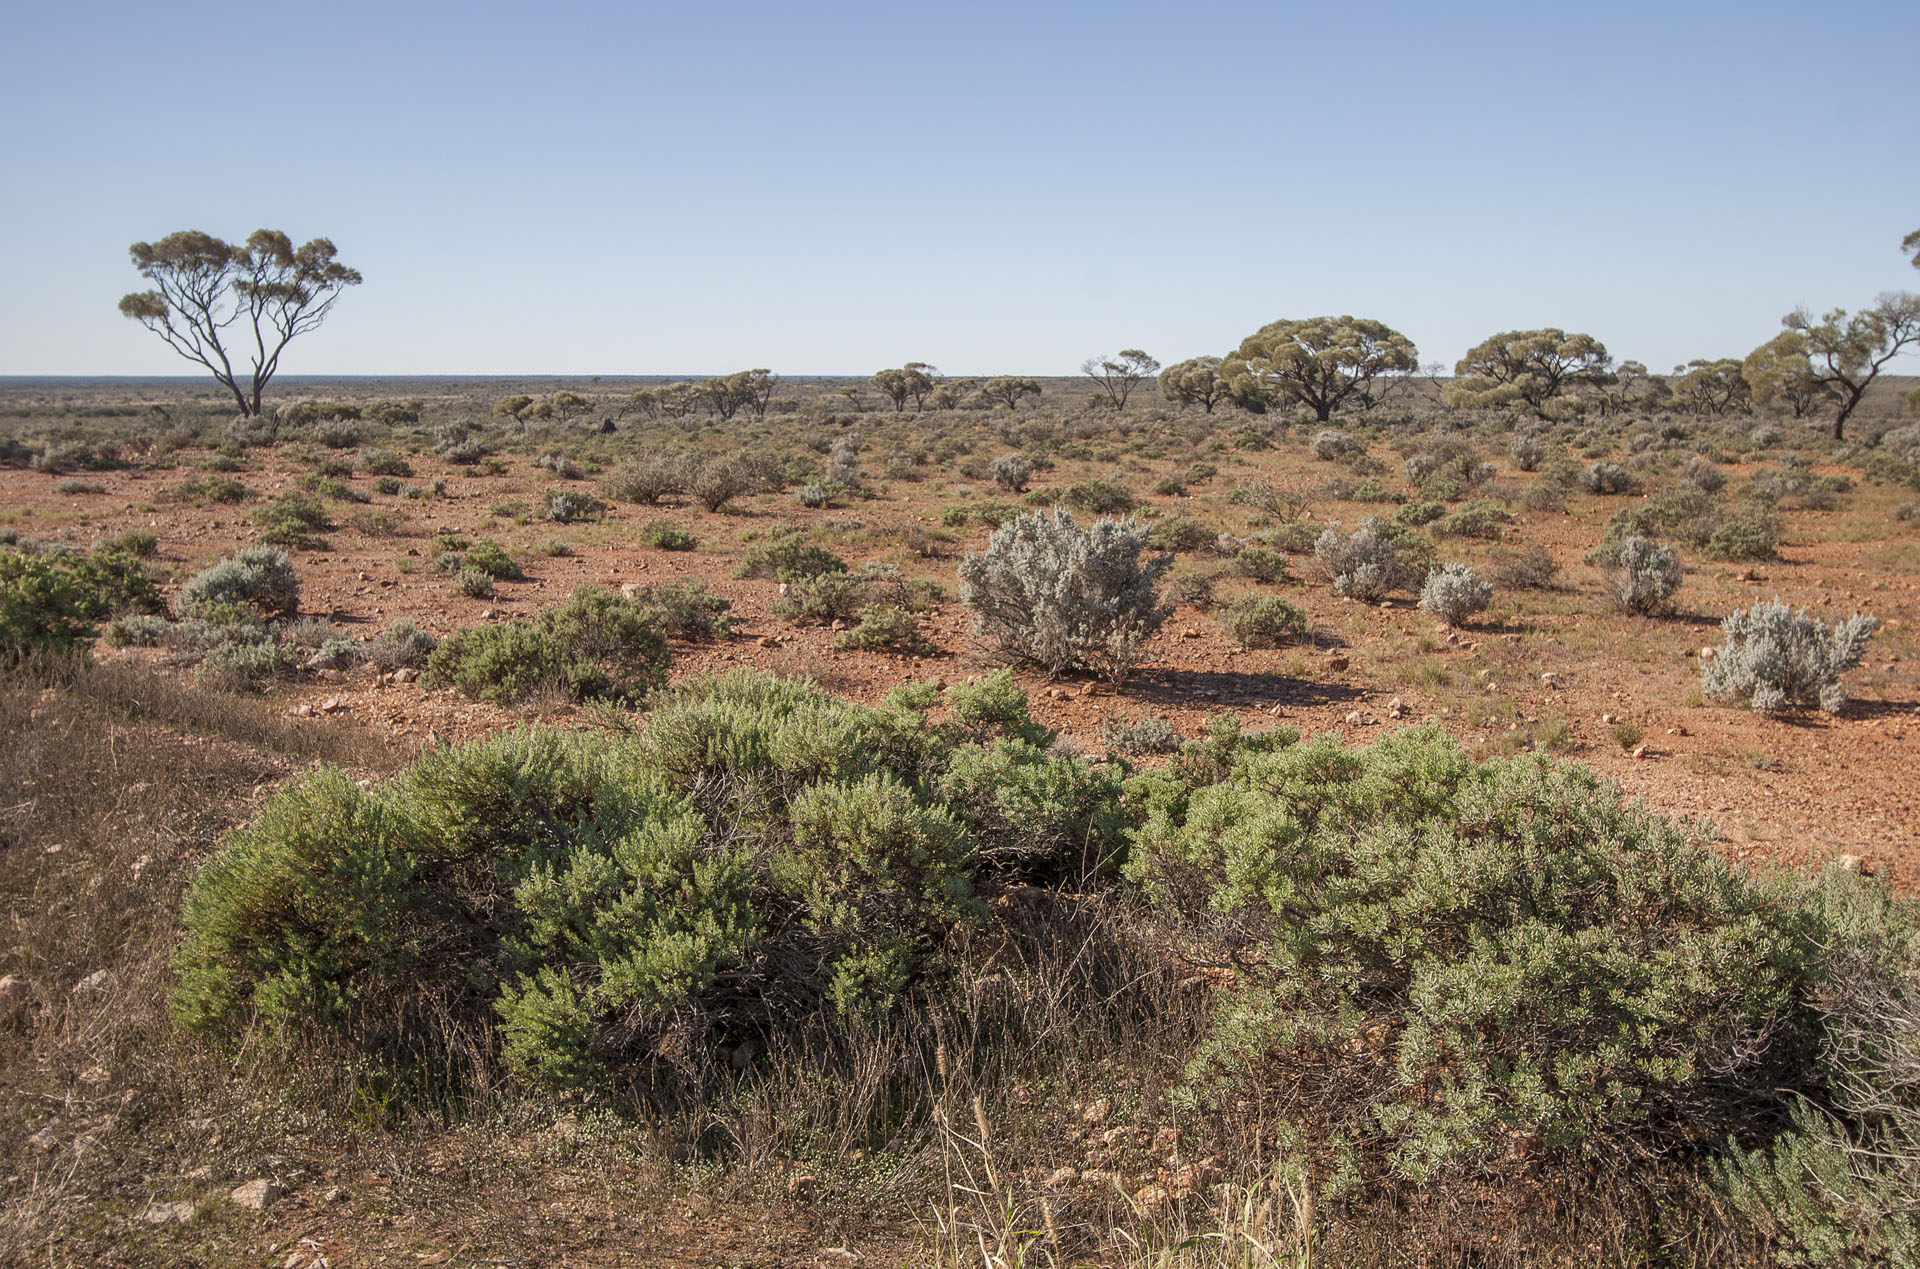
(1477, 519)
(788, 557)
(474, 583)
(1458, 957)
(1416, 514)
(385, 463)
(762, 863)
(1099, 496)
(664, 535)
(1263, 621)
(489, 557)
(402, 645)
(44, 607)
(293, 520)
(259, 578)
(884, 628)
(1261, 563)
(687, 610)
(569, 506)
(202, 490)
(1180, 533)
(597, 646)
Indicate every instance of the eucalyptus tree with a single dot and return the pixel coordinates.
(1195, 381)
(221, 304)
(1846, 354)
(1527, 367)
(1120, 374)
(1322, 363)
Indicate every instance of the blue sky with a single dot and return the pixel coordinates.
(994, 188)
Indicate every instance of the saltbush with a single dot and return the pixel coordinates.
(1454, 593)
(1374, 560)
(1643, 576)
(1773, 658)
(259, 577)
(1061, 597)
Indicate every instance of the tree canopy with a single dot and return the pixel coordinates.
(1319, 362)
(1120, 374)
(1529, 367)
(1779, 370)
(1009, 390)
(912, 381)
(1195, 381)
(211, 299)
(1846, 354)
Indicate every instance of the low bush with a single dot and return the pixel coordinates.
(1453, 593)
(1531, 569)
(1560, 968)
(647, 480)
(1011, 472)
(664, 535)
(260, 578)
(1608, 478)
(885, 628)
(1263, 621)
(762, 864)
(1477, 519)
(1643, 576)
(1061, 597)
(570, 506)
(1261, 563)
(1773, 658)
(1100, 496)
(1180, 533)
(1145, 735)
(719, 481)
(788, 556)
(489, 557)
(293, 520)
(597, 646)
(1373, 561)
(402, 645)
(686, 610)
(200, 491)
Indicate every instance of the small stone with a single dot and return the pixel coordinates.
(801, 1186)
(305, 711)
(767, 641)
(333, 705)
(487, 614)
(1061, 1176)
(1640, 751)
(1849, 863)
(91, 983)
(255, 1195)
(1338, 663)
(175, 1213)
(405, 674)
(1608, 719)
(1149, 1197)
(16, 1001)
(45, 1139)
(1098, 1111)
(1191, 632)
(1550, 680)
(202, 1175)
(1355, 719)
(1708, 654)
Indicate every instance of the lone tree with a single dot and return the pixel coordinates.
(1319, 362)
(209, 294)
(1195, 381)
(1846, 354)
(1527, 366)
(1119, 375)
(1711, 387)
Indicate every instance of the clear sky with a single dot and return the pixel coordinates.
(694, 188)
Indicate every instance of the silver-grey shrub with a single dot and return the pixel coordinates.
(1774, 657)
(259, 577)
(1329, 444)
(1369, 563)
(1012, 472)
(1066, 598)
(1644, 575)
(1454, 593)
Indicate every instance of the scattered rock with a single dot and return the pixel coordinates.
(1061, 1176)
(767, 641)
(405, 674)
(1550, 681)
(1708, 654)
(45, 1139)
(1191, 632)
(1396, 709)
(1608, 720)
(175, 1213)
(255, 1195)
(96, 981)
(333, 705)
(202, 1175)
(16, 1001)
(1640, 751)
(1338, 663)
(1850, 863)
(1149, 1197)
(1098, 1111)
(1355, 719)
